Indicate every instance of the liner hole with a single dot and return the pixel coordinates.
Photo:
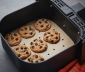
(39, 37)
(48, 54)
(63, 45)
(24, 44)
(62, 39)
(53, 49)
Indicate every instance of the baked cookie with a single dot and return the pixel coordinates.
(27, 31)
(13, 39)
(35, 58)
(38, 45)
(22, 51)
(51, 36)
(42, 25)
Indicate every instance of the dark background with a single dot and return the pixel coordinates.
(8, 6)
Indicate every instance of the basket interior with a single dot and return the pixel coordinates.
(36, 11)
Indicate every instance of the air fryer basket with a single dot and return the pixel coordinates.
(42, 9)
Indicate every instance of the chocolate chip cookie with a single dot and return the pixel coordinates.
(27, 31)
(35, 58)
(13, 39)
(22, 51)
(51, 36)
(38, 45)
(43, 25)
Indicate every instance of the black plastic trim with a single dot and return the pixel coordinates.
(71, 14)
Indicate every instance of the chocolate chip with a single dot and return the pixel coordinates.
(36, 44)
(31, 33)
(32, 46)
(41, 26)
(25, 28)
(19, 55)
(16, 39)
(51, 35)
(35, 40)
(41, 41)
(27, 52)
(21, 29)
(15, 34)
(21, 47)
(40, 22)
(25, 48)
(30, 28)
(28, 59)
(45, 34)
(53, 29)
(25, 33)
(56, 33)
(40, 46)
(56, 37)
(36, 56)
(17, 48)
(42, 59)
(52, 41)
(31, 43)
(48, 32)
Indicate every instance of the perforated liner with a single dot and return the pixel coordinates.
(53, 49)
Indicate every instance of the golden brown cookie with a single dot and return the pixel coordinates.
(35, 58)
(27, 31)
(13, 39)
(22, 51)
(51, 36)
(43, 25)
(38, 45)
